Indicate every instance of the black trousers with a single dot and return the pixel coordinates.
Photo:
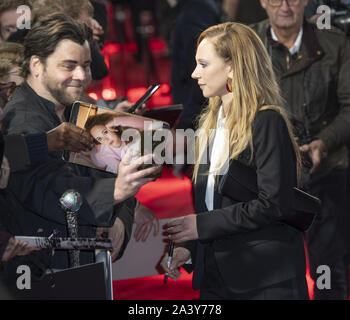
(213, 286)
(293, 289)
(325, 240)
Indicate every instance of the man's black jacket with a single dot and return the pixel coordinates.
(33, 194)
(316, 87)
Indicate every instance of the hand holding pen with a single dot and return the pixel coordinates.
(170, 259)
(171, 262)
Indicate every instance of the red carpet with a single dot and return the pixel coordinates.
(168, 196)
(152, 288)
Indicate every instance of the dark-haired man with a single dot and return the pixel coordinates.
(57, 71)
(313, 69)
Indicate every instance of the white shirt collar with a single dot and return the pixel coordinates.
(220, 143)
(220, 122)
(297, 44)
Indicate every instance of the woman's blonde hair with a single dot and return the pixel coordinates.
(254, 88)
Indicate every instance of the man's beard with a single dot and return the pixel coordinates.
(59, 92)
(61, 96)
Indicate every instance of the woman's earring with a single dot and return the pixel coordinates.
(229, 85)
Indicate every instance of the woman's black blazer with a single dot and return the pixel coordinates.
(252, 247)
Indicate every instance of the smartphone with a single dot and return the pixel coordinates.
(150, 91)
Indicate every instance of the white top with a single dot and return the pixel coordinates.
(220, 148)
(297, 44)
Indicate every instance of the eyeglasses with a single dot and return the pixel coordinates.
(278, 3)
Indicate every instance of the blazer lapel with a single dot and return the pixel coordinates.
(200, 206)
(200, 188)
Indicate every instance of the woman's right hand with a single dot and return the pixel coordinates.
(180, 256)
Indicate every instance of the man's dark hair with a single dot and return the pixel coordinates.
(47, 33)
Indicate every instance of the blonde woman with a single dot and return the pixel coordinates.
(240, 249)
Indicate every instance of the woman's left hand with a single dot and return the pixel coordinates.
(182, 229)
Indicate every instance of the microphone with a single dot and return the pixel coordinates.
(71, 202)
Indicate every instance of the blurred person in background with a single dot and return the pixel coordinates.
(313, 71)
(244, 11)
(11, 59)
(193, 17)
(81, 11)
(9, 16)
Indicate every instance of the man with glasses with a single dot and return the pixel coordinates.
(313, 70)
